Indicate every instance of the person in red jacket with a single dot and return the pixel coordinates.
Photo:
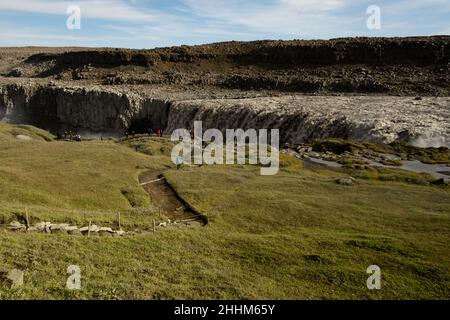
(159, 132)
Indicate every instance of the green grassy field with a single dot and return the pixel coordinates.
(296, 235)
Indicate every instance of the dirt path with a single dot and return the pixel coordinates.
(164, 196)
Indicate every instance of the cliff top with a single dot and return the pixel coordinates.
(393, 66)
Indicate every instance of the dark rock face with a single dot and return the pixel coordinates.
(80, 109)
(299, 118)
(369, 51)
(297, 53)
(394, 66)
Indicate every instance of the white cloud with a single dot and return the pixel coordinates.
(311, 5)
(99, 9)
(197, 21)
(33, 38)
(294, 17)
(404, 6)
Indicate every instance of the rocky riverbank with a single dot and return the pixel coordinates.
(354, 156)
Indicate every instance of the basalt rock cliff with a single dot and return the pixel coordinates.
(377, 89)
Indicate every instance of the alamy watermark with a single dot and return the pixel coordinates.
(374, 20)
(73, 22)
(251, 144)
(74, 279)
(374, 281)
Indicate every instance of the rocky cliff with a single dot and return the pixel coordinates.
(299, 118)
(393, 66)
(423, 122)
(79, 108)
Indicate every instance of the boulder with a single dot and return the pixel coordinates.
(70, 228)
(43, 226)
(105, 231)
(55, 227)
(314, 155)
(17, 226)
(93, 228)
(74, 232)
(58, 231)
(346, 181)
(40, 226)
(22, 137)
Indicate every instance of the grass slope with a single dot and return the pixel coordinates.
(295, 235)
(57, 180)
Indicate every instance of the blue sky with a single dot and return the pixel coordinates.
(151, 23)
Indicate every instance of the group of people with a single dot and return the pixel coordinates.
(158, 132)
(68, 135)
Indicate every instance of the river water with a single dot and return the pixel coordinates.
(437, 170)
